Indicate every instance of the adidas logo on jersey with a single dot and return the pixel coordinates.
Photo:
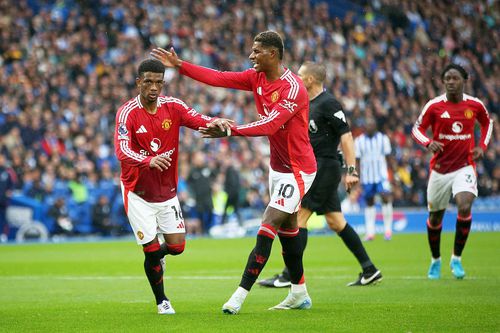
(280, 202)
(445, 115)
(180, 225)
(142, 129)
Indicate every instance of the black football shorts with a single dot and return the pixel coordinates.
(322, 197)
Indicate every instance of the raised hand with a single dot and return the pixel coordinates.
(160, 162)
(167, 58)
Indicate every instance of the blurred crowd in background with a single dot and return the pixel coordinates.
(66, 66)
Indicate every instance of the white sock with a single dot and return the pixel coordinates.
(370, 214)
(299, 288)
(387, 214)
(241, 293)
(435, 259)
(456, 257)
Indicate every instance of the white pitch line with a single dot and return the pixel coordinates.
(197, 277)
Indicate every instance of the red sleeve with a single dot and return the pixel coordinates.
(123, 136)
(233, 80)
(189, 117)
(420, 127)
(279, 115)
(486, 125)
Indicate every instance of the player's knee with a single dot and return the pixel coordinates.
(436, 218)
(464, 209)
(176, 249)
(336, 223)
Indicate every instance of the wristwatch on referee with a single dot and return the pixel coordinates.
(351, 170)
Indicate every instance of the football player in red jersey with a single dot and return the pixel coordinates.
(452, 117)
(328, 128)
(146, 144)
(283, 107)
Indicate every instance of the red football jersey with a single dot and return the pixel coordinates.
(140, 135)
(283, 107)
(453, 125)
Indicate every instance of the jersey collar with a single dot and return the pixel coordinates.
(138, 99)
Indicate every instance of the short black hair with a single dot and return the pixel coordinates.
(150, 65)
(459, 68)
(271, 38)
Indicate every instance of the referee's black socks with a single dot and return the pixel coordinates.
(353, 242)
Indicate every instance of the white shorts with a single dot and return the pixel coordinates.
(442, 186)
(151, 218)
(287, 190)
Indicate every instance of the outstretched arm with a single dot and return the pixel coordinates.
(233, 80)
(194, 120)
(281, 113)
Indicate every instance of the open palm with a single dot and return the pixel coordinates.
(168, 58)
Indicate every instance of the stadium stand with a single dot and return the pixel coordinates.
(67, 65)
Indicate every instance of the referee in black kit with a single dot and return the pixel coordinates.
(327, 127)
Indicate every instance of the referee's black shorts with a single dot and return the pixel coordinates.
(322, 197)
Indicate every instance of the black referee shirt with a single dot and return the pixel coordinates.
(327, 123)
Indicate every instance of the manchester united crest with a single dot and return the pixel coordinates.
(166, 124)
(468, 114)
(140, 235)
(274, 96)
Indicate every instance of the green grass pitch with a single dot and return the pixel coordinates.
(82, 287)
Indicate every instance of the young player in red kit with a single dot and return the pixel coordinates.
(282, 104)
(452, 117)
(146, 144)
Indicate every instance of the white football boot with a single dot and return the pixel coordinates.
(300, 300)
(165, 308)
(233, 305)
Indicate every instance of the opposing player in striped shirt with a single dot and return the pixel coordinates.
(283, 108)
(372, 149)
(146, 143)
(452, 117)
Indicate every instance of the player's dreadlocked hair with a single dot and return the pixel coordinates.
(318, 71)
(459, 68)
(271, 38)
(150, 65)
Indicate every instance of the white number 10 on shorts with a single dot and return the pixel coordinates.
(287, 189)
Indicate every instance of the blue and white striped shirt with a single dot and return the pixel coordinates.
(372, 152)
